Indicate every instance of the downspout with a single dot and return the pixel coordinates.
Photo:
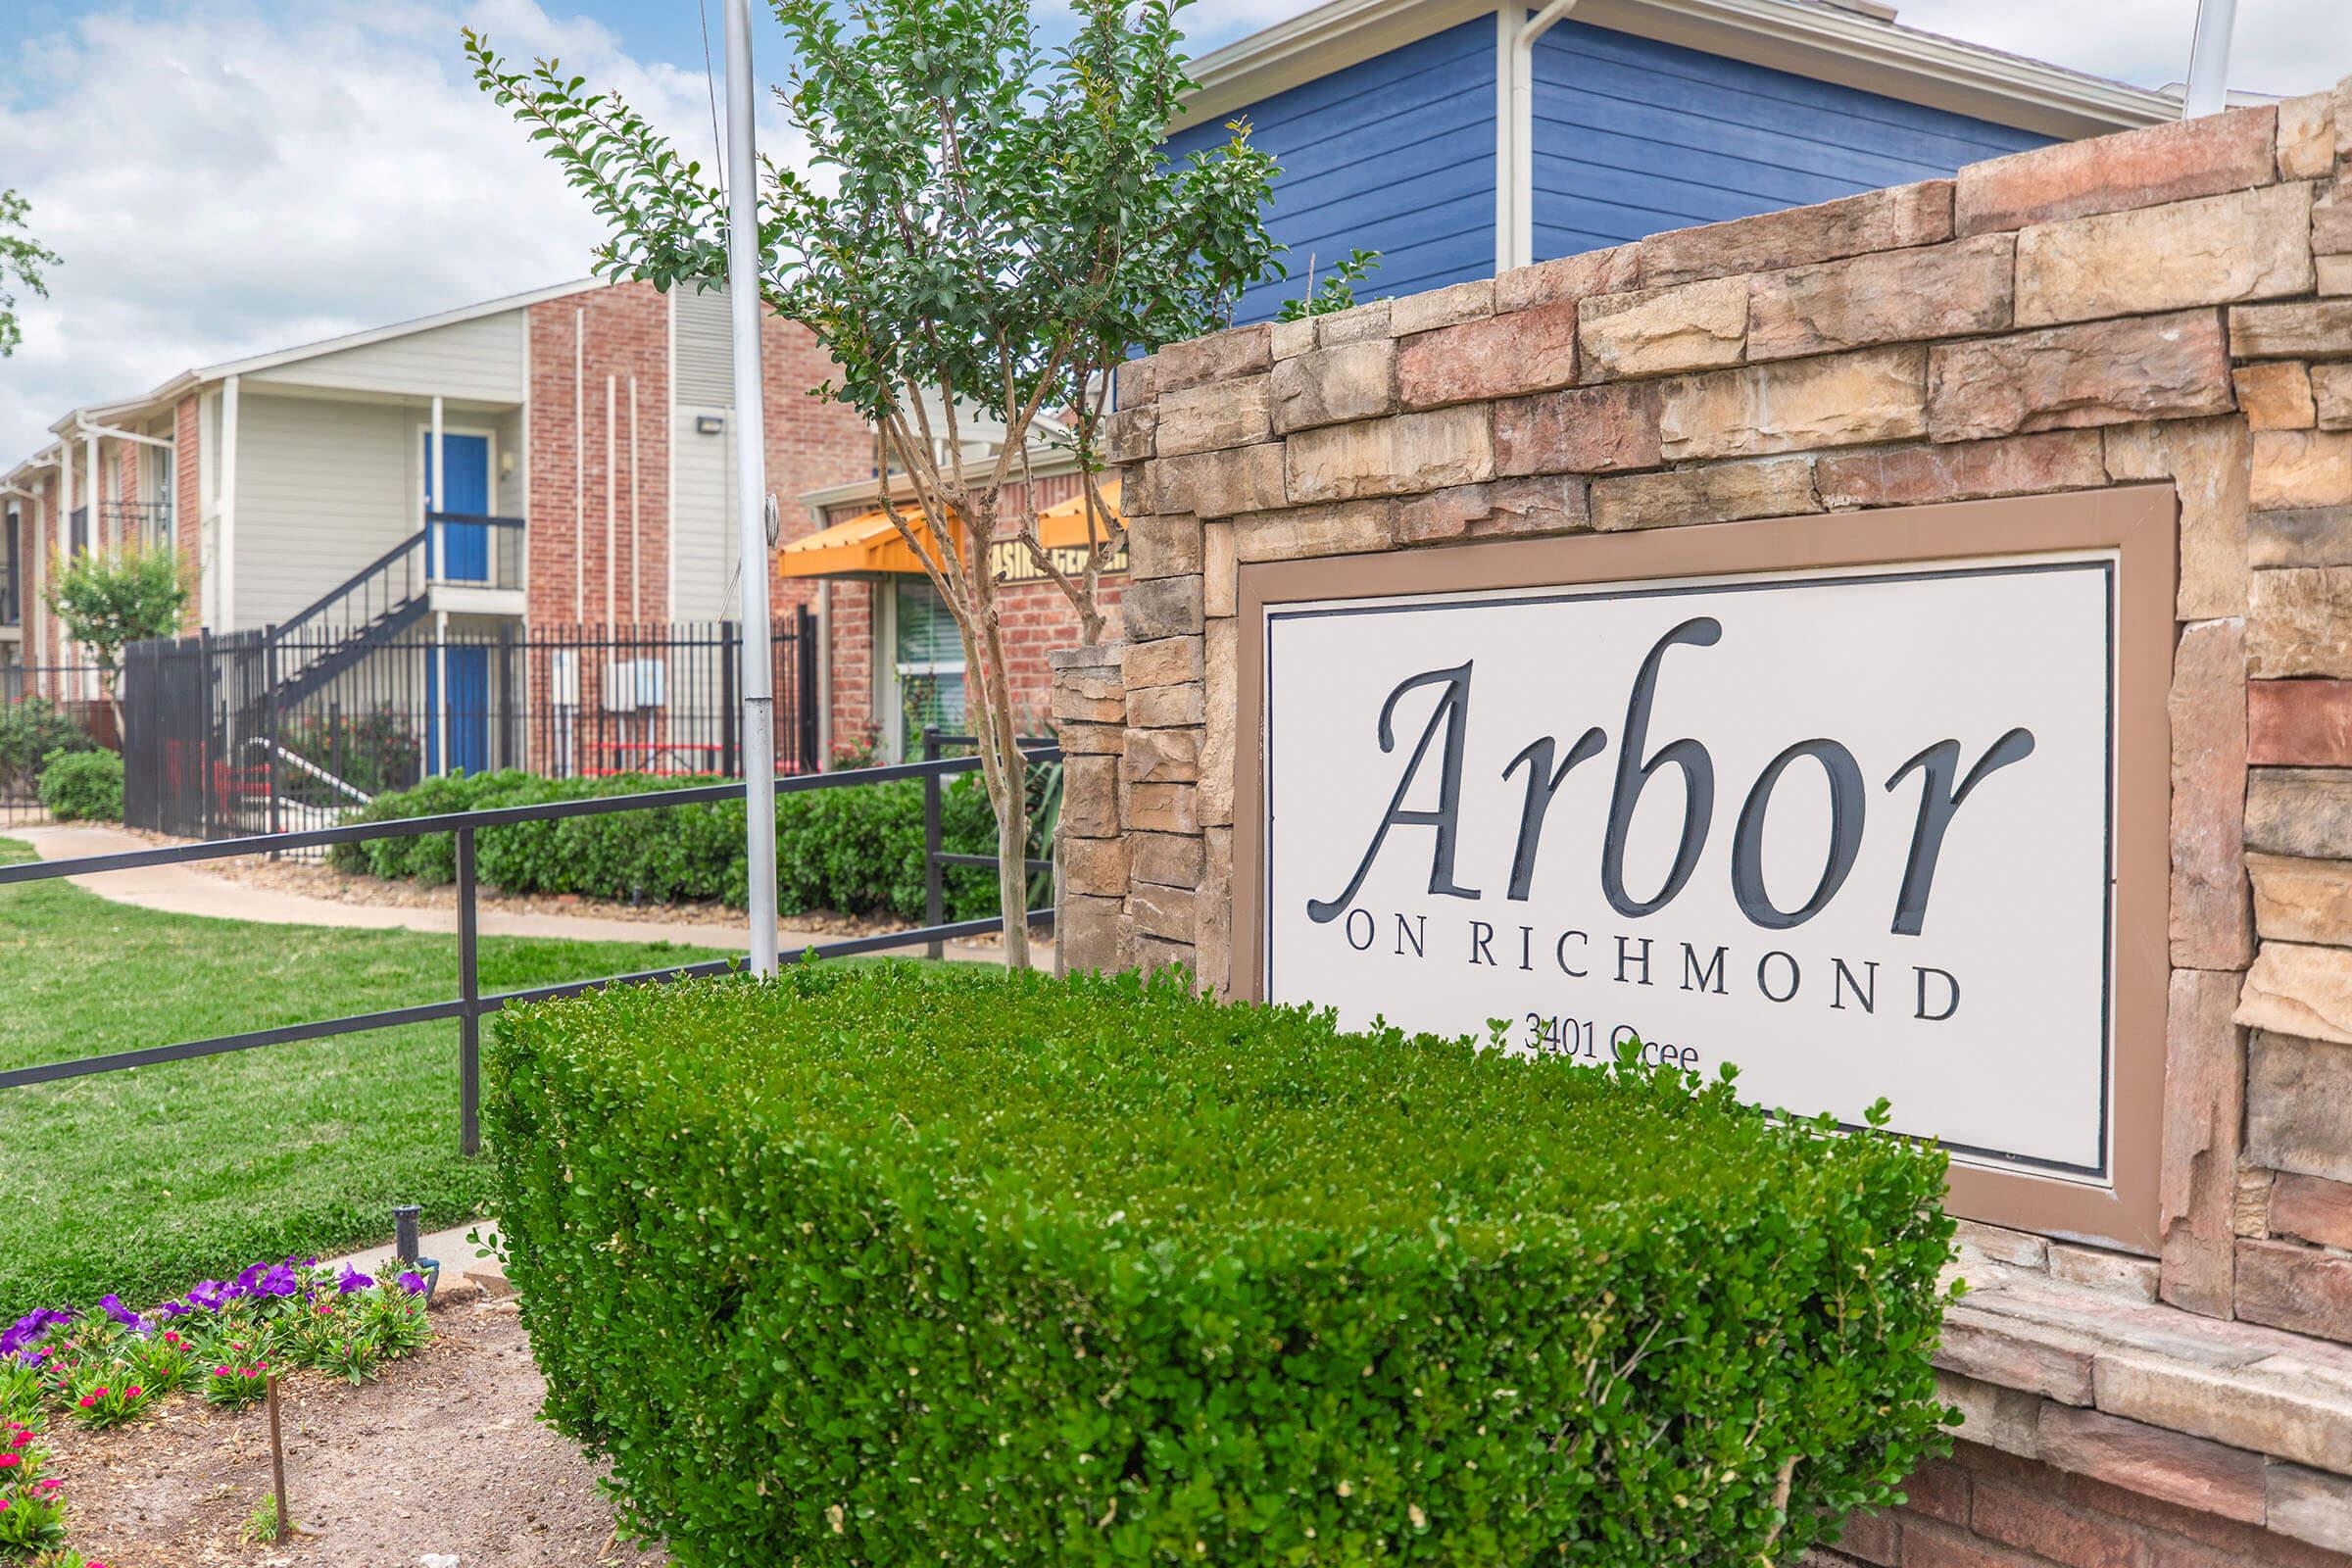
(1515, 35)
(89, 447)
(611, 535)
(580, 463)
(46, 513)
(2209, 59)
(435, 459)
(636, 573)
(62, 527)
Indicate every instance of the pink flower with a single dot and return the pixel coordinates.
(3, 1506)
(132, 1392)
(88, 1399)
(50, 1485)
(24, 1436)
(100, 1391)
(9, 1462)
(219, 1371)
(252, 1371)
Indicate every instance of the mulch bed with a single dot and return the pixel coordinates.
(441, 1455)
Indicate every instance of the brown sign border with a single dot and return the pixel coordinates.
(2139, 522)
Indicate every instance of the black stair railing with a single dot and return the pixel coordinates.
(382, 599)
(368, 594)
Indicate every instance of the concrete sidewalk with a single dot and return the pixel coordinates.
(192, 890)
(457, 1256)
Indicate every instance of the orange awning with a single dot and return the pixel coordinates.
(869, 544)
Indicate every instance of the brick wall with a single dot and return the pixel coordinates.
(2169, 304)
(585, 351)
(578, 343)
(187, 516)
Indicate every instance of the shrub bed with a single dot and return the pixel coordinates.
(82, 786)
(858, 849)
(111, 1365)
(898, 1264)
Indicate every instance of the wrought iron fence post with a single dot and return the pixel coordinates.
(935, 888)
(470, 994)
(805, 694)
(730, 717)
(204, 752)
(270, 722)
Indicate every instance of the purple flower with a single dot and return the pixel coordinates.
(412, 1283)
(277, 1280)
(31, 1327)
(352, 1280)
(113, 1307)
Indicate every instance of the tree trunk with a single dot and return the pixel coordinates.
(1008, 793)
(988, 704)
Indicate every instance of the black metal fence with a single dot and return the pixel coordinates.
(44, 708)
(267, 731)
(469, 1004)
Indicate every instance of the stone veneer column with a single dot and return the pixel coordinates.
(2167, 306)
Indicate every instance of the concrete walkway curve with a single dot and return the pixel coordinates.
(189, 889)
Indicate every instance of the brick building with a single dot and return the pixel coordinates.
(587, 440)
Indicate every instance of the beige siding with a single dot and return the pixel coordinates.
(506, 440)
(703, 548)
(480, 359)
(706, 347)
(324, 487)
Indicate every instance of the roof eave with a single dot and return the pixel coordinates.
(1821, 42)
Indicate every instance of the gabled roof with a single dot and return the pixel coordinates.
(1843, 42)
(178, 386)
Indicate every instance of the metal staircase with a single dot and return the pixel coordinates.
(368, 609)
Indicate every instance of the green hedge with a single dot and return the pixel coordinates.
(82, 786)
(902, 1264)
(858, 848)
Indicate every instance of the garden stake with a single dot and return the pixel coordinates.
(277, 1462)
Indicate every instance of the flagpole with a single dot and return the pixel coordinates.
(750, 493)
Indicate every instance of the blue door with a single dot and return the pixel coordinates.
(463, 548)
(466, 716)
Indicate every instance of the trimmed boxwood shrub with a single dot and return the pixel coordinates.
(856, 848)
(902, 1264)
(82, 786)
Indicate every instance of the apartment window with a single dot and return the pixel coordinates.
(12, 568)
(929, 661)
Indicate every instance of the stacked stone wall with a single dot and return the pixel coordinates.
(2172, 305)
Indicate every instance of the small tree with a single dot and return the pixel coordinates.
(108, 599)
(22, 260)
(997, 229)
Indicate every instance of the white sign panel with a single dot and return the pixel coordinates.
(1849, 829)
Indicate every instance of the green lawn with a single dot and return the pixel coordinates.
(143, 1182)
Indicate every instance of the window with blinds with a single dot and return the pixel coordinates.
(929, 659)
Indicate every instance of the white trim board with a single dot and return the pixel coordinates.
(1822, 42)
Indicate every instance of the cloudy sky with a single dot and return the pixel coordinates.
(227, 176)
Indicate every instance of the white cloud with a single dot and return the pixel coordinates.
(224, 179)
(221, 181)
(2281, 46)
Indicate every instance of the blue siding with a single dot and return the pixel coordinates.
(1633, 137)
(1394, 154)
